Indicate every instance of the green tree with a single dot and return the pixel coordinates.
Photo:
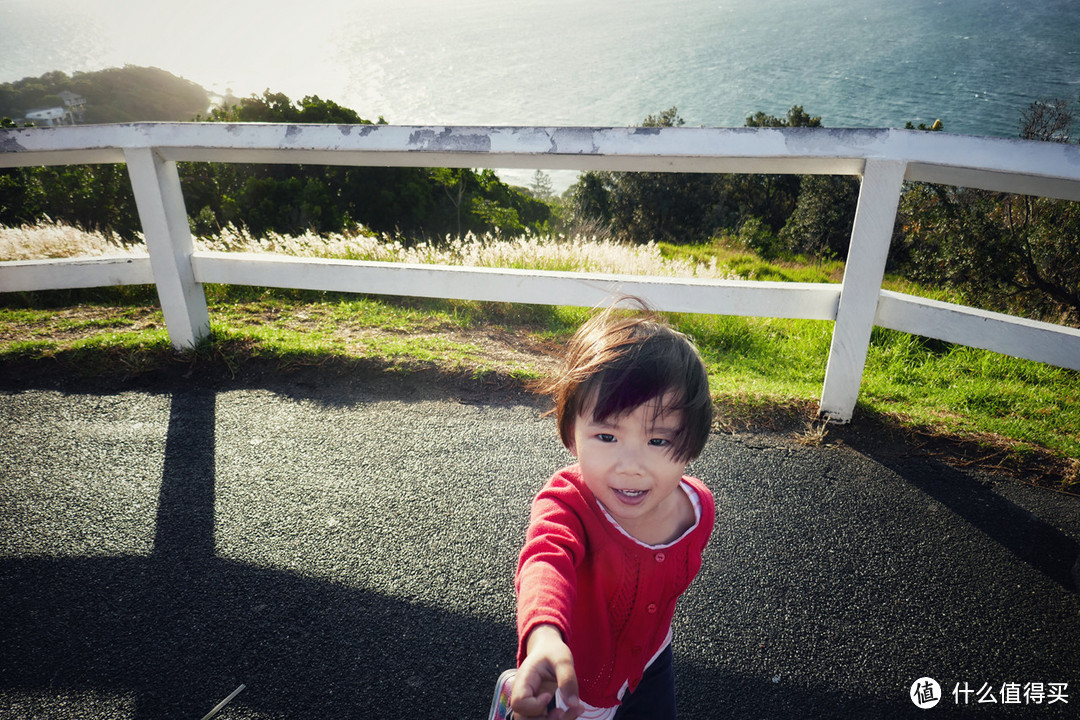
(295, 198)
(541, 187)
(96, 197)
(820, 225)
(689, 207)
(1013, 253)
(796, 117)
(772, 198)
(589, 200)
(281, 197)
(644, 206)
(126, 94)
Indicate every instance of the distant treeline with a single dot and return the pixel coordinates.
(413, 202)
(128, 94)
(1011, 253)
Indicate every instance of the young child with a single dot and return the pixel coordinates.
(616, 538)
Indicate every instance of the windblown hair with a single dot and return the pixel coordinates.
(618, 361)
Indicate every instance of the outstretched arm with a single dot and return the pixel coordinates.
(548, 665)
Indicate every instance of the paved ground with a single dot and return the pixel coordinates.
(344, 548)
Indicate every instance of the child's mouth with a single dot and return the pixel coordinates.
(631, 497)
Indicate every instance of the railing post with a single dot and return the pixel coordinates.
(156, 184)
(875, 216)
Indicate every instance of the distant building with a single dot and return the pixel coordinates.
(71, 113)
(71, 99)
(47, 116)
(75, 104)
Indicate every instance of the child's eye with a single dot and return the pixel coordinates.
(605, 437)
(660, 442)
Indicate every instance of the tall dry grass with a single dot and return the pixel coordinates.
(49, 240)
(578, 253)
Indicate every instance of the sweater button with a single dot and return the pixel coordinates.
(660, 557)
(651, 608)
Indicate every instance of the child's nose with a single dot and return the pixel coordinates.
(631, 462)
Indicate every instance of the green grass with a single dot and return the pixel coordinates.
(973, 392)
(1008, 406)
(751, 267)
(103, 354)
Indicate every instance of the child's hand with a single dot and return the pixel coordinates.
(548, 665)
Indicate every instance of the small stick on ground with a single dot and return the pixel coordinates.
(223, 703)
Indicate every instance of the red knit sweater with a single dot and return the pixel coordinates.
(612, 598)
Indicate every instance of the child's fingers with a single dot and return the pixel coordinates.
(529, 698)
(541, 704)
(536, 707)
(566, 677)
(547, 669)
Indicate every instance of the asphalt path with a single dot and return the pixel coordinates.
(344, 548)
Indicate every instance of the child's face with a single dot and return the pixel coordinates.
(627, 464)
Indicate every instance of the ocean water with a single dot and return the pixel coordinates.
(975, 64)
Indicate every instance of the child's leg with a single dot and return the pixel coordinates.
(654, 698)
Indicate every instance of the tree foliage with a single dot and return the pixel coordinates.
(1013, 253)
(772, 198)
(644, 206)
(296, 198)
(820, 224)
(280, 198)
(77, 194)
(91, 196)
(691, 207)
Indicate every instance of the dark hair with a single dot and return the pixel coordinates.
(620, 361)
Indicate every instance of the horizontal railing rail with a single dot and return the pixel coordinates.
(882, 158)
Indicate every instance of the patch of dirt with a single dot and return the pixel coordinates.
(499, 348)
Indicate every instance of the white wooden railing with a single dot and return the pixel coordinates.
(882, 158)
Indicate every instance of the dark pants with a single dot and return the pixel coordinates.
(654, 698)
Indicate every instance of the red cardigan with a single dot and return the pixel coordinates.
(612, 598)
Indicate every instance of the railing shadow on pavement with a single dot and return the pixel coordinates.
(178, 630)
(185, 516)
(1019, 531)
(174, 640)
(167, 635)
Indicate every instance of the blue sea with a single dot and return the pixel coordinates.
(975, 64)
